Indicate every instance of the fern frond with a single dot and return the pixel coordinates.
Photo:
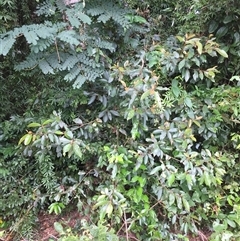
(74, 21)
(106, 10)
(68, 36)
(30, 62)
(73, 74)
(92, 74)
(54, 61)
(46, 9)
(69, 63)
(80, 80)
(6, 44)
(105, 45)
(83, 58)
(77, 17)
(45, 67)
(41, 45)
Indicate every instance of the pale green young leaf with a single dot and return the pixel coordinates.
(67, 148)
(47, 122)
(186, 204)
(199, 47)
(146, 94)
(59, 228)
(171, 199)
(76, 150)
(171, 179)
(222, 52)
(22, 139)
(34, 125)
(109, 209)
(28, 139)
(131, 113)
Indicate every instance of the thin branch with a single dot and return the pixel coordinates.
(59, 59)
(126, 225)
(203, 237)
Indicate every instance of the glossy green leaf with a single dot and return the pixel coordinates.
(186, 204)
(139, 19)
(228, 19)
(76, 150)
(231, 223)
(213, 26)
(69, 134)
(145, 94)
(67, 148)
(22, 139)
(47, 122)
(109, 209)
(181, 64)
(171, 198)
(175, 89)
(171, 179)
(179, 202)
(207, 179)
(187, 75)
(155, 170)
(188, 102)
(58, 133)
(222, 32)
(199, 47)
(130, 115)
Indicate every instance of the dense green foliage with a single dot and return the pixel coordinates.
(129, 117)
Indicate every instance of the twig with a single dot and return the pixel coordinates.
(59, 59)
(120, 229)
(202, 236)
(126, 225)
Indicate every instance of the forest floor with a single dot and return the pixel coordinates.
(45, 230)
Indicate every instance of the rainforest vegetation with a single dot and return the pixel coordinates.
(125, 111)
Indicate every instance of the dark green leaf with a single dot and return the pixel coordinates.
(181, 64)
(228, 19)
(213, 26)
(222, 32)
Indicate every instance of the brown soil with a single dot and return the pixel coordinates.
(46, 230)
